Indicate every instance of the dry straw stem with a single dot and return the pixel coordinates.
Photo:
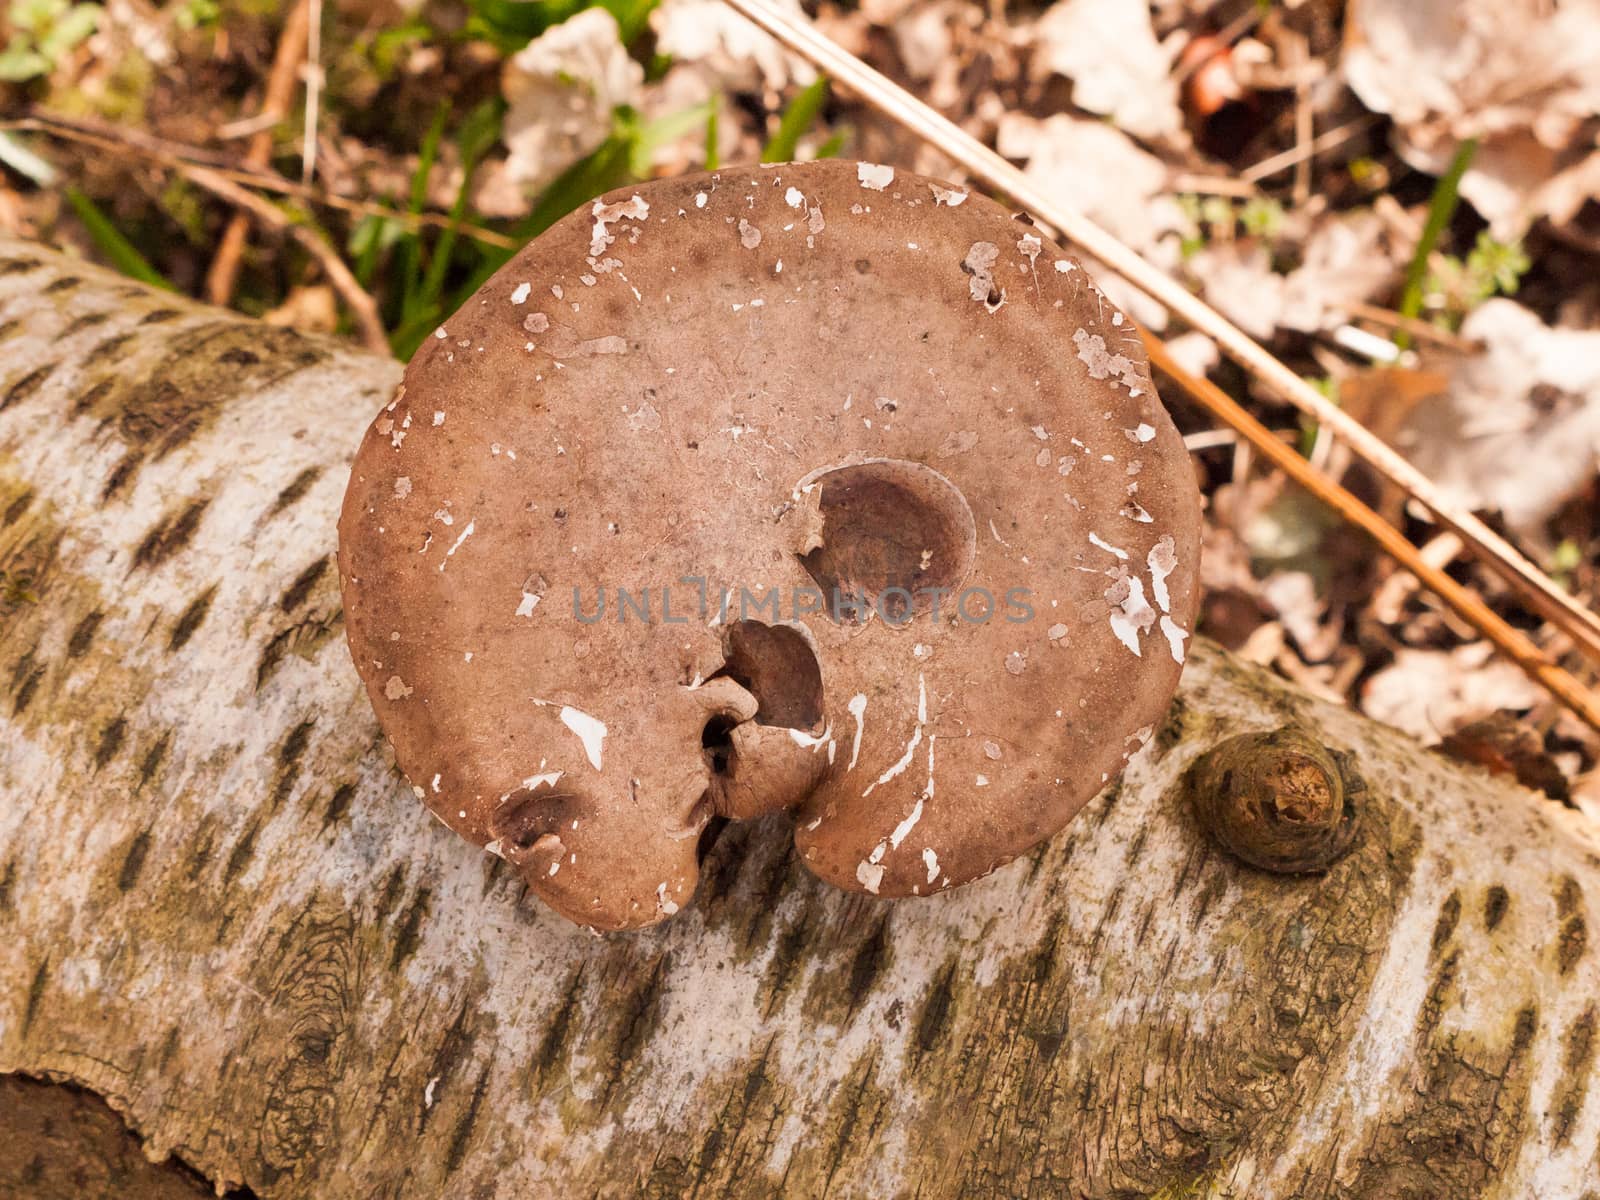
(285, 75)
(183, 156)
(362, 306)
(1540, 593)
(1461, 600)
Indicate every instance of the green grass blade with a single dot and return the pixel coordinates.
(476, 135)
(802, 112)
(1441, 208)
(410, 246)
(834, 146)
(713, 160)
(108, 238)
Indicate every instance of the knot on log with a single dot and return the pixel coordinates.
(1281, 801)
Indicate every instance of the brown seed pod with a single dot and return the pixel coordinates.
(1281, 801)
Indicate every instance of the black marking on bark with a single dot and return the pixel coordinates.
(191, 619)
(89, 397)
(120, 474)
(295, 489)
(452, 1052)
(169, 1050)
(35, 994)
(295, 594)
(18, 266)
(112, 347)
(133, 861)
(1170, 733)
(1495, 903)
(394, 887)
(169, 535)
(338, 804)
(1522, 1032)
(153, 758)
(1044, 957)
(304, 638)
(868, 964)
(552, 1046)
(1036, 860)
(26, 386)
(1577, 1077)
(787, 953)
(933, 1022)
(85, 321)
(1433, 1005)
(111, 738)
(1574, 935)
(463, 1130)
(65, 284)
(409, 935)
(721, 866)
(16, 508)
(1136, 845)
(82, 636)
(158, 316)
(1147, 917)
(1445, 927)
(25, 680)
(637, 1018)
(294, 745)
(8, 879)
(202, 368)
(843, 1138)
(204, 843)
(243, 850)
(1215, 887)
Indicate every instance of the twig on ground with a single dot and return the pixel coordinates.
(1538, 591)
(224, 273)
(1304, 131)
(314, 77)
(1268, 167)
(1423, 331)
(362, 306)
(1212, 185)
(1514, 644)
(181, 155)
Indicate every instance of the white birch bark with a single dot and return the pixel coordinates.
(222, 910)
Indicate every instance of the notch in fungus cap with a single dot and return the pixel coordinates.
(819, 487)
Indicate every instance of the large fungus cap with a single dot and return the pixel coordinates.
(908, 438)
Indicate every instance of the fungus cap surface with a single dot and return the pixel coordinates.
(825, 382)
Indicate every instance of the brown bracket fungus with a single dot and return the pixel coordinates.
(819, 487)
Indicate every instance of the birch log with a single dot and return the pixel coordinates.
(222, 910)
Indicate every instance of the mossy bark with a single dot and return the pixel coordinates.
(223, 911)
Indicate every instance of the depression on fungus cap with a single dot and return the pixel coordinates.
(819, 487)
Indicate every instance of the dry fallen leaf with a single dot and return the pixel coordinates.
(1518, 427)
(742, 56)
(1348, 259)
(561, 88)
(923, 38)
(310, 309)
(1521, 75)
(1429, 692)
(1504, 744)
(1118, 69)
(1095, 169)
